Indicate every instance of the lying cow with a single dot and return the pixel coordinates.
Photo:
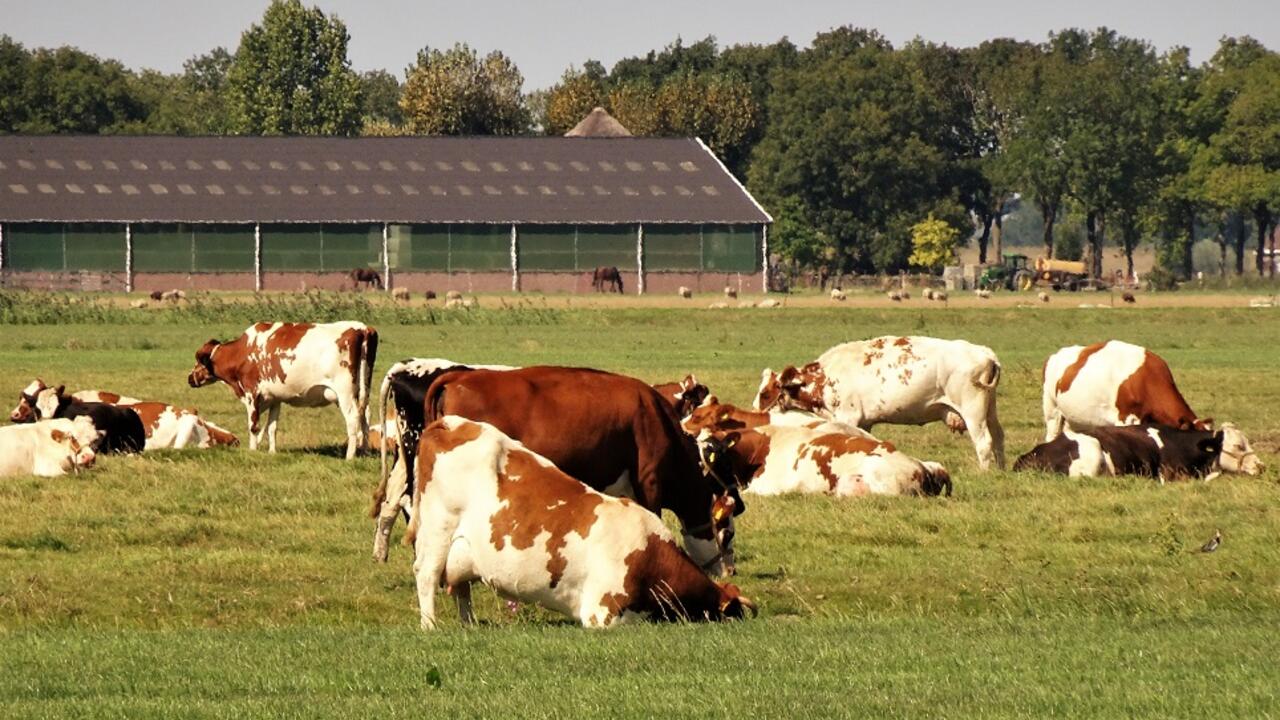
(165, 426)
(685, 395)
(612, 432)
(491, 510)
(771, 460)
(716, 416)
(48, 448)
(898, 380)
(1156, 451)
(1116, 383)
(400, 404)
(121, 427)
(299, 364)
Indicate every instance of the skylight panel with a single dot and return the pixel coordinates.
(415, 166)
(305, 166)
(573, 190)
(158, 189)
(250, 165)
(53, 164)
(353, 190)
(607, 166)
(496, 166)
(243, 190)
(18, 189)
(408, 190)
(629, 191)
(80, 164)
(214, 189)
(110, 165)
(463, 190)
(381, 189)
(436, 190)
(270, 190)
(579, 165)
(277, 165)
(710, 190)
(491, 190)
(166, 165)
(26, 165)
(443, 166)
(553, 167)
(193, 165)
(360, 165)
(656, 191)
(661, 166)
(546, 190)
(469, 166)
(222, 164)
(387, 165)
(74, 189)
(688, 166)
(333, 165)
(101, 189)
(634, 166)
(129, 189)
(298, 189)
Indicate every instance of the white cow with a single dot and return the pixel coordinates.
(300, 364)
(488, 509)
(899, 380)
(48, 448)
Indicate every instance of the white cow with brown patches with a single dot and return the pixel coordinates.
(1118, 383)
(299, 364)
(487, 509)
(48, 448)
(166, 426)
(898, 380)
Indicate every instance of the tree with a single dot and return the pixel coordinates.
(291, 76)
(15, 64)
(455, 92)
(567, 102)
(934, 244)
(69, 91)
(380, 98)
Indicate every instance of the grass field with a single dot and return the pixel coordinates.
(232, 584)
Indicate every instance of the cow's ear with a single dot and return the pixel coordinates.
(57, 435)
(790, 377)
(1203, 423)
(61, 389)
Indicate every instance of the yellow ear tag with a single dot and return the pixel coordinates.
(718, 515)
(711, 457)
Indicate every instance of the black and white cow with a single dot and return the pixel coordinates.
(1157, 451)
(121, 427)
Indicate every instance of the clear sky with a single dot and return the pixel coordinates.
(544, 37)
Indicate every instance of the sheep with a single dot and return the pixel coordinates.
(928, 293)
(983, 294)
(1044, 296)
(685, 292)
(894, 295)
(431, 294)
(838, 295)
(1129, 298)
(769, 303)
(453, 295)
(718, 306)
(940, 295)
(138, 304)
(401, 294)
(730, 293)
(905, 293)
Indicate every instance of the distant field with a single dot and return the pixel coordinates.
(227, 583)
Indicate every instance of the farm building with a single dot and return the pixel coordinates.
(285, 213)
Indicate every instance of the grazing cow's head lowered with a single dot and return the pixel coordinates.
(202, 374)
(25, 412)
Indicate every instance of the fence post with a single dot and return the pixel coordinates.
(386, 257)
(257, 257)
(515, 261)
(1, 247)
(128, 257)
(640, 259)
(764, 255)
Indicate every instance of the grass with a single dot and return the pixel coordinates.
(225, 583)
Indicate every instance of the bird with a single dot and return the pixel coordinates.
(1213, 543)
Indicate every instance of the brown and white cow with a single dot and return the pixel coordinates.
(716, 416)
(299, 364)
(165, 426)
(772, 460)
(898, 380)
(48, 448)
(1156, 451)
(1117, 383)
(685, 395)
(612, 432)
(490, 510)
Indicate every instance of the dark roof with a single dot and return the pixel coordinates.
(599, 123)
(400, 179)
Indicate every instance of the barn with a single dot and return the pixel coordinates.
(288, 213)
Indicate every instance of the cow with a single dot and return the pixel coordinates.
(771, 460)
(400, 405)
(366, 277)
(899, 380)
(121, 427)
(48, 448)
(609, 275)
(1117, 383)
(489, 509)
(612, 432)
(685, 395)
(299, 364)
(1156, 451)
(165, 426)
(715, 416)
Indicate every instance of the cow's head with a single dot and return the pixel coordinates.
(733, 603)
(1203, 456)
(48, 400)
(202, 374)
(25, 412)
(80, 443)
(792, 389)
(1237, 454)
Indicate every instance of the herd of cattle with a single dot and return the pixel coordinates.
(547, 483)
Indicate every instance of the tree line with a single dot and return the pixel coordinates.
(850, 142)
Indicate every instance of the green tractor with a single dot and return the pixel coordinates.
(1013, 274)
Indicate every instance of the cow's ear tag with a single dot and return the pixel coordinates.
(732, 442)
(711, 456)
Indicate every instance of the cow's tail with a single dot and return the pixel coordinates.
(380, 494)
(364, 378)
(989, 377)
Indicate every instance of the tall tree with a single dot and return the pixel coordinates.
(15, 64)
(569, 100)
(291, 75)
(380, 97)
(69, 91)
(455, 92)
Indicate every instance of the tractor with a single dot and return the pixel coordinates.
(1012, 274)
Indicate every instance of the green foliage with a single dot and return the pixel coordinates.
(1161, 278)
(291, 75)
(570, 100)
(380, 97)
(455, 92)
(933, 244)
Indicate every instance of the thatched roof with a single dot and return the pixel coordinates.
(598, 123)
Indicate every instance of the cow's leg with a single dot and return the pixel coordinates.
(1053, 420)
(273, 418)
(462, 596)
(397, 485)
(251, 410)
(353, 417)
(976, 417)
(432, 551)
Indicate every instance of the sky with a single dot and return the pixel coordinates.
(544, 37)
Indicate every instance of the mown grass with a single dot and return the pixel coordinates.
(227, 583)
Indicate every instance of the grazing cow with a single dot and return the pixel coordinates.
(609, 275)
(48, 448)
(491, 510)
(299, 364)
(609, 431)
(400, 404)
(121, 427)
(771, 460)
(166, 426)
(366, 277)
(899, 380)
(1157, 451)
(685, 395)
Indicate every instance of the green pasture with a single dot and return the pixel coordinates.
(234, 584)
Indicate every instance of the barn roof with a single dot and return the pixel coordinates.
(400, 179)
(599, 123)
